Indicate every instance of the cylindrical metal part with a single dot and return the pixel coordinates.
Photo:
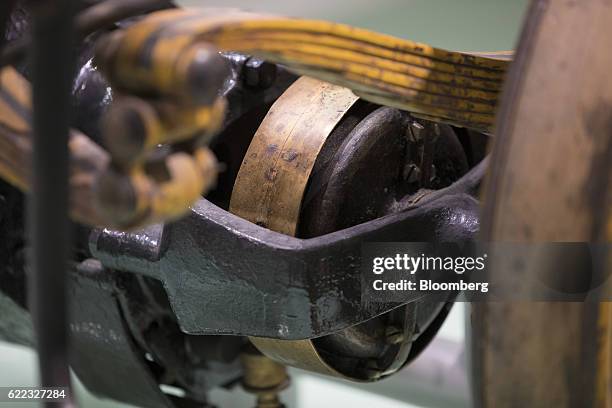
(52, 67)
(263, 377)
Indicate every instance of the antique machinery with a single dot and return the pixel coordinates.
(307, 139)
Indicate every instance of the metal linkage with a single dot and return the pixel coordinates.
(280, 286)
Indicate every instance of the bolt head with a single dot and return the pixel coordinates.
(412, 173)
(416, 131)
(258, 73)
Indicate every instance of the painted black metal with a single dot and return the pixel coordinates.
(53, 63)
(241, 97)
(103, 352)
(259, 73)
(225, 275)
(125, 342)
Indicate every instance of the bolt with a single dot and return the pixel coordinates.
(412, 173)
(258, 73)
(416, 132)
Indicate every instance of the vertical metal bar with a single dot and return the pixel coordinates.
(6, 7)
(52, 64)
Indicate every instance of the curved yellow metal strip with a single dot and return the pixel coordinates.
(453, 87)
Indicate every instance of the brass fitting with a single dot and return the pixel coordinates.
(263, 377)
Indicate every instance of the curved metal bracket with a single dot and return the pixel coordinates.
(225, 275)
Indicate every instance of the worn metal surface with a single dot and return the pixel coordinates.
(122, 325)
(277, 166)
(551, 181)
(274, 288)
(122, 331)
(103, 351)
(450, 86)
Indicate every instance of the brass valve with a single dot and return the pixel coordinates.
(263, 377)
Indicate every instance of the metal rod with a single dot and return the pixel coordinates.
(52, 64)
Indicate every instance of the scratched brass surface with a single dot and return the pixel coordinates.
(273, 178)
